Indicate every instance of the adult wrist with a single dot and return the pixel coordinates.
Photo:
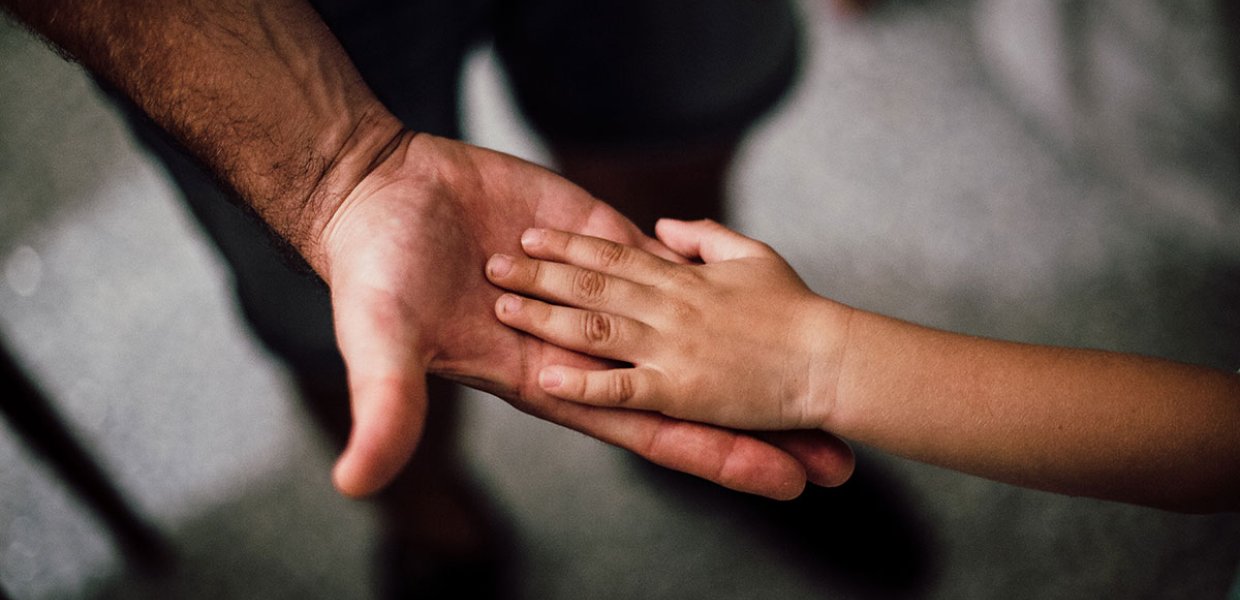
(371, 138)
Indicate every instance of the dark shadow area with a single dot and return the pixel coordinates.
(240, 549)
(36, 421)
(865, 535)
(279, 539)
(479, 558)
(1229, 16)
(465, 542)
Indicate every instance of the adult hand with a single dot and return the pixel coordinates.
(398, 225)
(403, 255)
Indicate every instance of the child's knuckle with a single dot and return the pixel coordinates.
(589, 286)
(598, 329)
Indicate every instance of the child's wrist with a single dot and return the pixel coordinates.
(825, 331)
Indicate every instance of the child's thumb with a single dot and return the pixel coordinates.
(707, 240)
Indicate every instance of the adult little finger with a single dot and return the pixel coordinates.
(635, 388)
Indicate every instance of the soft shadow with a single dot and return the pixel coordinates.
(294, 537)
(866, 534)
(269, 542)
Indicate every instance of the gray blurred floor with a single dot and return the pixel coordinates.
(929, 168)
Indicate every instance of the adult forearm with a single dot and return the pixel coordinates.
(260, 91)
(1079, 422)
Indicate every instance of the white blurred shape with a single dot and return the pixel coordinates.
(23, 270)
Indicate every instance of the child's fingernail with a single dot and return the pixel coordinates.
(550, 379)
(500, 265)
(533, 237)
(509, 304)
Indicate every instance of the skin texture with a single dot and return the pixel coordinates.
(432, 213)
(722, 343)
(740, 341)
(398, 224)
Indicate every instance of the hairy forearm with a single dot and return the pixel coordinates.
(260, 91)
(1080, 422)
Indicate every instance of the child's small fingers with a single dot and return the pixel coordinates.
(566, 284)
(620, 388)
(595, 254)
(589, 332)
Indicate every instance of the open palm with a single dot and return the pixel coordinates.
(405, 255)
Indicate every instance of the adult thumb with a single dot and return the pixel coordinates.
(388, 417)
(387, 394)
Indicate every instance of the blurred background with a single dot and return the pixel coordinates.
(1053, 171)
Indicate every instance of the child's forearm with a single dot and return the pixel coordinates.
(1080, 422)
(741, 342)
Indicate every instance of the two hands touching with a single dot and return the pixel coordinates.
(402, 254)
(739, 341)
(737, 371)
(398, 224)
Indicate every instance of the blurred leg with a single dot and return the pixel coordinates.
(684, 184)
(645, 102)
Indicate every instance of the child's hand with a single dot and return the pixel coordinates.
(739, 341)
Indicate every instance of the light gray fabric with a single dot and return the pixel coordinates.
(1143, 89)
